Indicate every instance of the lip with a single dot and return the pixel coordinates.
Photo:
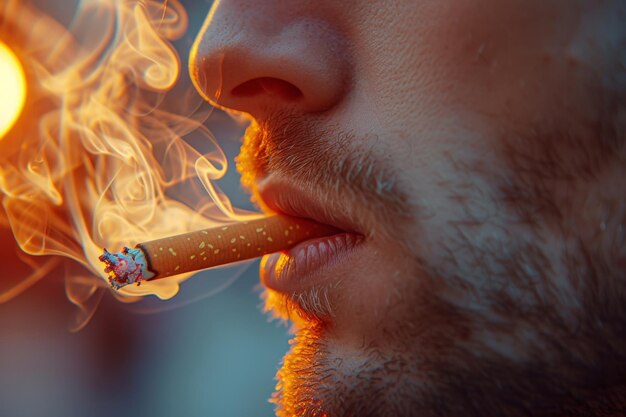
(311, 262)
(308, 264)
(286, 198)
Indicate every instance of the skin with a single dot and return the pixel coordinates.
(479, 146)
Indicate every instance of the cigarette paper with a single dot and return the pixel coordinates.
(207, 248)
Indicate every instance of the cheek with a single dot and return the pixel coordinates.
(499, 60)
(464, 228)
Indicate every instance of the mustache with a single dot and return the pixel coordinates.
(344, 172)
(334, 165)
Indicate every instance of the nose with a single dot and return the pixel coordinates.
(262, 56)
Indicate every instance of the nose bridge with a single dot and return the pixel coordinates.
(254, 58)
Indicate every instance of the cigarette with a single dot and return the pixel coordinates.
(207, 248)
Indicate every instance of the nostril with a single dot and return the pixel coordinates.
(270, 86)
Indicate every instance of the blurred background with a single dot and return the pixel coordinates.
(207, 352)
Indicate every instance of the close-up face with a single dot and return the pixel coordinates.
(471, 154)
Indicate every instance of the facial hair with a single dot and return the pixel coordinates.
(502, 326)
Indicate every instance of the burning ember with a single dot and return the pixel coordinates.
(101, 147)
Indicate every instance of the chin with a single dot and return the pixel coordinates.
(323, 378)
(331, 372)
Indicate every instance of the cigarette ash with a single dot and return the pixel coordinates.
(127, 267)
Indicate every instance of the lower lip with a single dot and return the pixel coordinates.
(308, 263)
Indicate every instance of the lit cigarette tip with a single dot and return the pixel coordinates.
(188, 252)
(126, 267)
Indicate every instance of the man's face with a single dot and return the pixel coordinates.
(472, 150)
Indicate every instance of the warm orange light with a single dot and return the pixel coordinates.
(12, 89)
(107, 154)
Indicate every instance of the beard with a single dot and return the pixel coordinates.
(527, 321)
(438, 359)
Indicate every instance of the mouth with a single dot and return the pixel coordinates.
(313, 262)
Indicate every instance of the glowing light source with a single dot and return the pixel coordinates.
(106, 146)
(12, 89)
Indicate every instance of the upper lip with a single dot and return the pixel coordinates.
(287, 198)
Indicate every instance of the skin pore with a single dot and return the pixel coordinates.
(479, 147)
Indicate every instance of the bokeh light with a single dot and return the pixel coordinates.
(12, 88)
